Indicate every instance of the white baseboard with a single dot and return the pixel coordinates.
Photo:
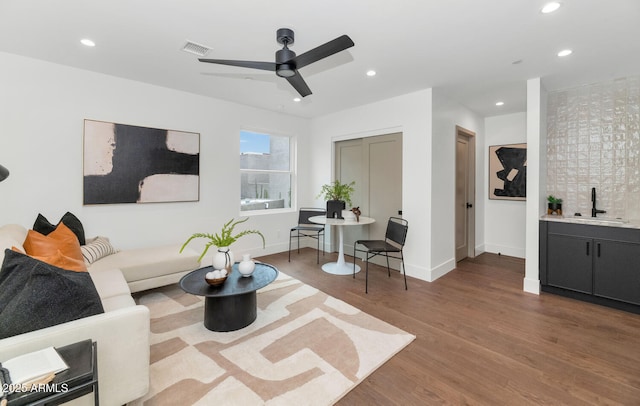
(504, 250)
(441, 270)
(531, 286)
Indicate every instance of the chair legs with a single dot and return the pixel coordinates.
(304, 235)
(366, 272)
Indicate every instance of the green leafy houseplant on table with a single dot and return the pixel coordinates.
(337, 191)
(225, 238)
(553, 199)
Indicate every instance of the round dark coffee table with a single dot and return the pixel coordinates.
(232, 305)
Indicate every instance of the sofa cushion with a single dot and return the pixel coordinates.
(36, 295)
(62, 240)
(11, 235)
(147, 263)
(96, 248)
(43, 226)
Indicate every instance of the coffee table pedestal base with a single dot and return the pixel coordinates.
(229, 313)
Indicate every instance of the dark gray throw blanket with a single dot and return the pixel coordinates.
(35, 295)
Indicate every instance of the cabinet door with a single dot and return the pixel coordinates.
(617, 270)
(569, 262)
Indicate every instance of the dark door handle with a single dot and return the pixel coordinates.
(469, 205)
(598, 250)
(588, 248)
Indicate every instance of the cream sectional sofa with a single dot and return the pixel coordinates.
(122, 331)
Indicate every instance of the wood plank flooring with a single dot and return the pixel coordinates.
(481, 340)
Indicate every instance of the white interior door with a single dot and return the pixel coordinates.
(465, 195)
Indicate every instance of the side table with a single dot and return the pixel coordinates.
(78, 380)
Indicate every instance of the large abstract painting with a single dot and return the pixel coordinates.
(508, 172)
(131, 164)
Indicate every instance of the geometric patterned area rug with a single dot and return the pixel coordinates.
(305, 348)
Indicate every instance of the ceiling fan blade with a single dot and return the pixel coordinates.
(323, 51)
(299, 84)
(244, 64)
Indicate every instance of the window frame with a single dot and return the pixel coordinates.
(293, 152)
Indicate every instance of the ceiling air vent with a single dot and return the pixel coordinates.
(196, 49)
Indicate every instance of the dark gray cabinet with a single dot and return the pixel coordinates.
(569, 262)
(616, 270)
(591, 262)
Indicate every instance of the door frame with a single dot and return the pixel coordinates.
(470, 136)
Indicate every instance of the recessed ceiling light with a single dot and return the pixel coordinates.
(87, 42)
(500, 103)
(565, 52)
(371, 73)
(550, 7)
(296, 99)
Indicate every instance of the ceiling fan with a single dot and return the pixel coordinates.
(287, 63)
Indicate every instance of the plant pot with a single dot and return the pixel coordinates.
(223, 259)
(334, 208)
(555, 208)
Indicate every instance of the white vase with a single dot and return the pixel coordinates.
(348, 215)
(246, 266)
(223, 259)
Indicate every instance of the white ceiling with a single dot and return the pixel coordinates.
(467, 47)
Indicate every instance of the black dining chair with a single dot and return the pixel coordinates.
(306, 228)
(393, 244)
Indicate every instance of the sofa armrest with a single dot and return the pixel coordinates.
(123, 349)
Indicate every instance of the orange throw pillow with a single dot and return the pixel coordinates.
(60, 260)
(60, 248)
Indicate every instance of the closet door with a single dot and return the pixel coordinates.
(375, 164)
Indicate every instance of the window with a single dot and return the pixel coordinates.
(265, 171)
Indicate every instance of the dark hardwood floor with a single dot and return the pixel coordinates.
(481, 340)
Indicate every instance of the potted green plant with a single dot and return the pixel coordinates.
(223, 240)
(555, 205)
(337, 195)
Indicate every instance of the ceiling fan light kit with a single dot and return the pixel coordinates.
(286, 63)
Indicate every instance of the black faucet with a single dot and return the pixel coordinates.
(594, 211)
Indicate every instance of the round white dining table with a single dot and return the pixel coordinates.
(340, 267)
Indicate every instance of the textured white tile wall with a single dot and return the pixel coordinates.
(593, 140)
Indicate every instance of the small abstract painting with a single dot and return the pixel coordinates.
(131, 164)
(508, 172)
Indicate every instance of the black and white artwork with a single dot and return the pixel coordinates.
(508, 172)
(131, 164)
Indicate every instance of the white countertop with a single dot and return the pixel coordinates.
(595, 221)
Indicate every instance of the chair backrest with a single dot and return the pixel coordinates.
(306, 212)
(397, 230)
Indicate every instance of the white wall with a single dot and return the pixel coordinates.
(505, 219)
(536, 180)
(448, 114)
(409, 114)
(42, 108)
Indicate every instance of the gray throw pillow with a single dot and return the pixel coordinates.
(35, 295)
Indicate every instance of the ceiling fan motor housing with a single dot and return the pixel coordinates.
(285, 66)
